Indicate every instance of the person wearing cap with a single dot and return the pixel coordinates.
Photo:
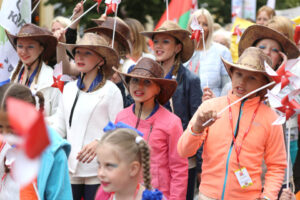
(173, 46)
(35, 46)
(237, 141)
(87, 105)
(161, 128)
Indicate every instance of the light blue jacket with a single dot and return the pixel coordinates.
(209, 67)
(53, 179)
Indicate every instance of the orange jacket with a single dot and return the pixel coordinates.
(263, 141)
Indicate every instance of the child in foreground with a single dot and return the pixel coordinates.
(122, 155)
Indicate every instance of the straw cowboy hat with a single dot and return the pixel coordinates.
(173, 29)
(147, 68)
(99, 45)
(255, 33)
(43, 36)
(106, 27)
(253, 59)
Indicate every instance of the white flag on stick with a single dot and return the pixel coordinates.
(13, 15)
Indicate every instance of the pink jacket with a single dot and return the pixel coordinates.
(263, 141)
(162, 130)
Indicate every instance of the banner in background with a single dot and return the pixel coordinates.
(13, 15)
(243, 9)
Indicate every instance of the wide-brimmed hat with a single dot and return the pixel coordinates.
(255, 33)
(173, 29)
(122, 34)
(99, 45)
(253, 59)
(147, 68)
(42, 35)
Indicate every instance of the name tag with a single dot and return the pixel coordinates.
(243, 177)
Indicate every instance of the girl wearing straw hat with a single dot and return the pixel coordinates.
(105, 29)
(88, 104)
(239, 138)
(172, 46)
(35, 46)
(161, 128)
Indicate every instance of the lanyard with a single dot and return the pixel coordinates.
(113, 197)
(28, 80)
(236, 147)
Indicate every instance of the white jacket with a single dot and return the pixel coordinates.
(51, 95)
(91, 114)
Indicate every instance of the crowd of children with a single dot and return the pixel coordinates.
(132, 125)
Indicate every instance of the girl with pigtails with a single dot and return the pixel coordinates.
(123, 155)
(35, 46)
(52, 180)
(161, 128)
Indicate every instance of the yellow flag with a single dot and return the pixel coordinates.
(296, 20)
(239, 25)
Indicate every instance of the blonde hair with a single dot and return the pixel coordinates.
(283, 25)
(210, 23)
(270, 11)
(138, 41)
(124, 140)
(62, 20)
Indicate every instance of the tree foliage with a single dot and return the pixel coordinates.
(139, 9)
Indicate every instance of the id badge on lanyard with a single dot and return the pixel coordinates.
(241, 173)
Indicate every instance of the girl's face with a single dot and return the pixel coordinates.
(86, 59)
(271, 48)
(203, 22)
(56, 26)
(143, 90)
(262, 18)
(165, 47)
(28, 50)
(244, 82)
(114, 171)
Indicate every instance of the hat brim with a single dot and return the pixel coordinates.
(109, 32)
(167, 86)
(229, 66)
(49, 42)
(107, 53)
(258, 32)
(182, 36)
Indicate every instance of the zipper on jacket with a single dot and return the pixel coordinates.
(230, 150)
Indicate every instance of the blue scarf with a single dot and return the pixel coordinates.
(156, 107)
(94, 84)
(169, 75)
(28, 83)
